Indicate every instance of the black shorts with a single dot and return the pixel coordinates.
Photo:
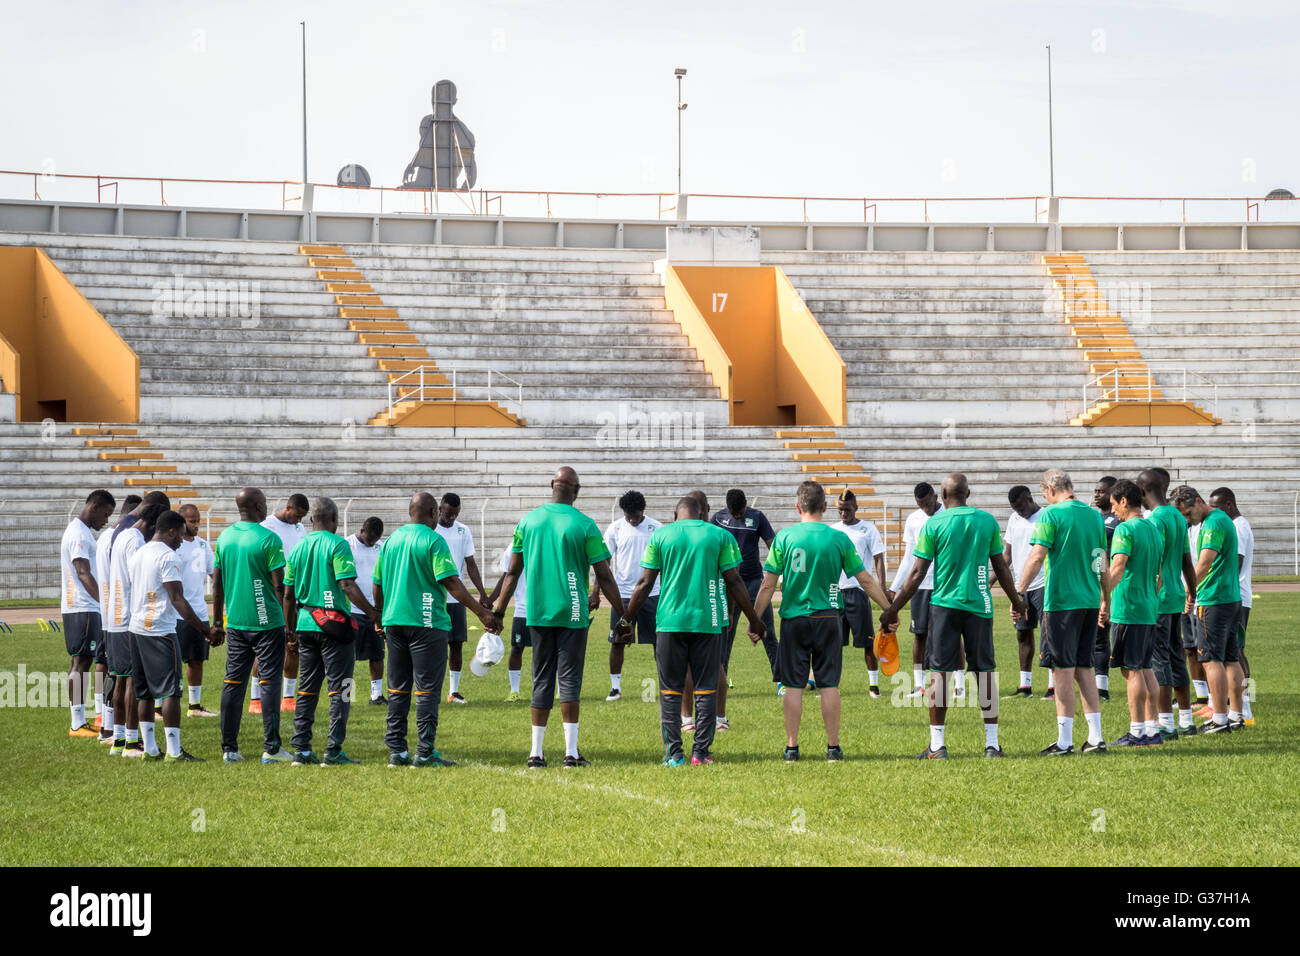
(520, 636)
(1243, 616)
(1167, 658)
(118, 646)
(810, 641)
(81, 633)
(369, 644)
(1191, 628)
(919, 609)
(194, 647)
(1033, 610)
(643, 628)
(1132, 646)
(949, 629)
(558, 656)
(157, 666)
(1220, 641)
(459, 630)
(1069, 638)
(855, 616)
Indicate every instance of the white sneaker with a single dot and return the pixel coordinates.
(688, 725)
(722, 724)
(280, 756)
(232, 756)
(917, 692)
(614, 694)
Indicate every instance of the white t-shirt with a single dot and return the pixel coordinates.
(196, 564)
(289, 534)
(626, 545)
(521, 593)
(78, 542)
(101, 569)
(119, 579)
(1193, 533)
(151, 566)
(911, 532)
(1246, 549)
(364, 558)
(1019, 531)
(461, 544)
(868, 543)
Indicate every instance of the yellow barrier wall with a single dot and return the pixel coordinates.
(782, 368)
(67, 352)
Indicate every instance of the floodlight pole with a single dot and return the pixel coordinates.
(303, 24)
(681, 107)
(1051, 153)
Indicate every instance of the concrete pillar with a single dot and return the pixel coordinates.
(308, 196)
(871, 238)
(1053, 209)
(374, 229)
(119, 222)
(437, 232)
(54, 218)
(182, 225)
(1182, 238)
(618, 238)
(1245, 238)
(501, 232)
(989, 244)
(243, 225)
(929, 239)
(681, 206)
(559, 234)
(808, 238)
(1120, 239)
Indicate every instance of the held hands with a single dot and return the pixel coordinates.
(593, 601)
(757, 631)
(291, 640)
(1189, 605)
(888, 617)
(492, 622)
(623, 631)
(1103, 616)
(216, 635)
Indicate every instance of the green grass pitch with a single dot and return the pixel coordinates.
(1205, 801)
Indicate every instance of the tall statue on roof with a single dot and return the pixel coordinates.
(445, 159)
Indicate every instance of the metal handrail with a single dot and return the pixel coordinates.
(1114, 393)
(456, 386)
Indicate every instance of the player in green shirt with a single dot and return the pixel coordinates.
(1218, 600)
(413, 576)
(556, 544)
(1136, 550)
(807, 558)
(961, 542)
(690, 554)
(247, 593)
(319, 582)
(1070, 538)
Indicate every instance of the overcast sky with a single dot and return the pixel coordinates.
(1169, 97)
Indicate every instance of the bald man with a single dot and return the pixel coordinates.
(197, 564)
(556, 544)
(247, 593)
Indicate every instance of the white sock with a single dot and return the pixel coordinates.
(873, 678)
(1167, 721)
(257, 689)
(1136, 728)
(1245, 707)
(1184, 719)
(157, 703)
(1103, 682)
(173, 735)
(196, 693)
(78, 715)
(616, 681)
(455, 682)
(119, 731)
(571, 740)
(936, 736)
(959, 679)
(1234, 715)
(1064, 732)
(1150, 726)
(376, 688)
(146, 734)
(514, 681)
(918, 677)
(1094, 727)
(108, 716)
(1026, 678)
(991, 735)
(1202, 688)
(132, 736)
(539, 736)
(99, 705)
(1051, 682)
(290, 685)
(1220, 719)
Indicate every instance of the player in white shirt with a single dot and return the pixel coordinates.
(855, 615)
(366, 545)
(626, 538)
(103, 673)
(461, 544)
(79, 602)
(1016, 548)
(520, 636)
(1225, 499)
(157, 602)
(197, 565)
(927, 504)
(1191, 625)
(287, 525)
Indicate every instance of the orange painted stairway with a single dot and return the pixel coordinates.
(823, 458)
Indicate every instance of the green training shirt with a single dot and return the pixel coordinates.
(809, 556)
(1173, 526)
(314, 569)
(246, 554)
(410, 569)
(1075, 537)
(691, 556)
(559, 543)
(1221, 585)
(960, 542)
(1134, 599)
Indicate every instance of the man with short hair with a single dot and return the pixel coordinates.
(413, 575)
(1218, 600)
(157, 602)
(808, 558)
(461, 544)
(1020, 528)
(855, 615)
(626, 538)
(1071, 538)
(1101, 500)
(927, 504)
(748, 526)
(287, 525)
(1136, 551)
(1224, 499)
(196, 561)
(556, 543)
(689, 554)
(108, 722)
(365, 545)
(79, 600)
(520, 636)
(249, 570)
(961, 542)
(320, 586)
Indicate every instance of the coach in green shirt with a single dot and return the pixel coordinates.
(808, 558)
(691, 555)
(961, 542)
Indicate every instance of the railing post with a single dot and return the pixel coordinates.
(489, 384)
(421, 383)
